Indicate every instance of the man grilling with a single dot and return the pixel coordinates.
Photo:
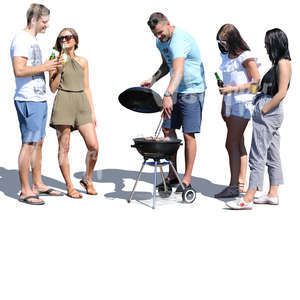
(184, 97)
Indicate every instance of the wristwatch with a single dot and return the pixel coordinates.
(167, 94)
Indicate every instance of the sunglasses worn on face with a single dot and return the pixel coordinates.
(65, 37)
(223, 43)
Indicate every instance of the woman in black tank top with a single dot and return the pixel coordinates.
(267, 119)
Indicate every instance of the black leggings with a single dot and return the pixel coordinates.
(235, 145)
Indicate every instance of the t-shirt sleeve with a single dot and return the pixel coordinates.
(180, 47)
(21, 47)
(248, 55)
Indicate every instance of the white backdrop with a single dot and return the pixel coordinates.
(101, 247)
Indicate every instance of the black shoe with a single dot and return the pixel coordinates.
(171, 183)
(229, 192)
(179, 188)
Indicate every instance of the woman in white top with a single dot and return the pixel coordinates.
(239, 68)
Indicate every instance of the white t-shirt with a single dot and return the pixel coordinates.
(31, 88)
(235, 74)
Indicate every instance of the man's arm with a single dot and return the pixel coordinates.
(161, 72)
(22, 70)
(178, 67)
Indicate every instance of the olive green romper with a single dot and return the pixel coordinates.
(71, 106)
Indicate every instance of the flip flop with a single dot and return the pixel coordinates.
(25, 200)
(48, 192)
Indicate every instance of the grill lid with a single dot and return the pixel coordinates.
(140, 99)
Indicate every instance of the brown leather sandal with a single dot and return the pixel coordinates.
(72, 193)
(90, 190)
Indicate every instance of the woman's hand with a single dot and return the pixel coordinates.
(94, 119)
(227, 89)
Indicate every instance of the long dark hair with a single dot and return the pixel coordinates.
(277, 45)
(75, 37)
(235, 42)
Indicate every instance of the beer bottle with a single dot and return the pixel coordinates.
(53, 54)
(219, 80)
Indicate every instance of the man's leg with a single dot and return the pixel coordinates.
(190, 149)
(24, 170)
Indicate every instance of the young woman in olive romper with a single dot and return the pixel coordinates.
(73, 109)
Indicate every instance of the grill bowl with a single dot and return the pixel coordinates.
(156, 149)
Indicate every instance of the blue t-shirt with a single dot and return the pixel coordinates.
(183, 45)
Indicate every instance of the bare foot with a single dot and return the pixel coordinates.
(74, 194)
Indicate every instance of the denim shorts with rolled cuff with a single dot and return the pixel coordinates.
(187, 112)
(32, 120)
(243, 110)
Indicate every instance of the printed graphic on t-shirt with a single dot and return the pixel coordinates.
(39, 85)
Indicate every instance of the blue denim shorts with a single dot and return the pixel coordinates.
(187, 112)
(32, 120)
(242, 110)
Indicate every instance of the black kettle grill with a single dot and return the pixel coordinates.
(144, 100)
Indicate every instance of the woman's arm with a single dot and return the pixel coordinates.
(284, 75)
(54, 79)
(252, 71)
(87, 89)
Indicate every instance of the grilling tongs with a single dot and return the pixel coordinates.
(158, 129)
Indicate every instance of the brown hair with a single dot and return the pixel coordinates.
(75, 37)
(36, 11)
(235, 42)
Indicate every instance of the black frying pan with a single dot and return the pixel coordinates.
(141, 100)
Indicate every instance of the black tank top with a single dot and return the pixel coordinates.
(269, 83)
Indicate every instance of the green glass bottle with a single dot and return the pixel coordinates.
(219, 80)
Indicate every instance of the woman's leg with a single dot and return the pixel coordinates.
(236, 128)
(89, 135)
(244, 164)
(63, 135)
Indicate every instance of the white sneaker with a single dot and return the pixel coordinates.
(267, 200)
(239, 204)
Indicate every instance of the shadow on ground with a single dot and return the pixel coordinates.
(10, 184)
(117, 177)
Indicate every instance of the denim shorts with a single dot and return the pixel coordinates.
(187, 112)
(243, 110)
(32, 120)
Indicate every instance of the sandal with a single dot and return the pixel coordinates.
(90, 190)
(26, 200)
(72, 193)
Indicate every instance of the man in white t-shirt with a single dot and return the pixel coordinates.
(30, 101)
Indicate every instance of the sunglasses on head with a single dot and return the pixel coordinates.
(223, 43)
(65, 37)
(152, 23)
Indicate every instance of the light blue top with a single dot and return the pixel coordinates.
(182, 44)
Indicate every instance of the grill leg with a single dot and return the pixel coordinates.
(175, 172)
(163, 178)
(154, 185)
(137, 180)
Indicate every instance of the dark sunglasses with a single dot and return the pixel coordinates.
(65, 37)
(152, 23)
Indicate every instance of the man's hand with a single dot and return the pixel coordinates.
(168, 106)
(51, 65)
(147, 83)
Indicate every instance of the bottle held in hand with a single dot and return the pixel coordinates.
(64, 55)
(219, 80)
(54, 54)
